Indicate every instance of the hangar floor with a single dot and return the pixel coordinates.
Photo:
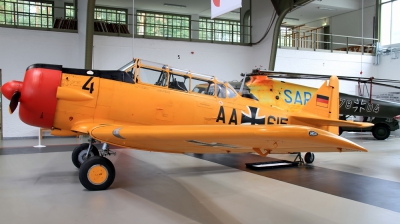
(42, 186)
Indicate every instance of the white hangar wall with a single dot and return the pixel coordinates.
(350, 24)
(222, 60)
(326, 63)
(20, 48)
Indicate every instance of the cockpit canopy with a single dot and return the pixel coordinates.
(151, 73)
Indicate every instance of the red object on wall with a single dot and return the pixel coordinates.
(217, 3)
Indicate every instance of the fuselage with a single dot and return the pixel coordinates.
(142, 94)
(141, 103)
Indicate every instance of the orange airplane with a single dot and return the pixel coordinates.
(155, 107)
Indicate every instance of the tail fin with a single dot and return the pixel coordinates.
(322, 110)
(325, 102)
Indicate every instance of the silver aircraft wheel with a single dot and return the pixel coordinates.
(79, 154)
(82, 156)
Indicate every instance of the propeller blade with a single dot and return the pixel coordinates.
(14, 102)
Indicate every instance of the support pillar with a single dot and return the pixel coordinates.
(85, 13)
(195, 27)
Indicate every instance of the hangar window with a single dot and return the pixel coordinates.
(104, 14)
(110, 15)
(69, 11)
(219, 30)
(26, 13)
(390, 30)
(162, 25)
(287, 37)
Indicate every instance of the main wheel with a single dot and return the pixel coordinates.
(97, 173)
(309, 157)
(381, 132)
(79, 154)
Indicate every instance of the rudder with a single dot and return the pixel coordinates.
(325, 103)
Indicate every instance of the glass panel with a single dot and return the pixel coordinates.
(153, 77)
(25, 13)
(385, 23)
(390, 31)
(178, 82)
(395, 22)
(221, 91)
(219, 30)
(200, 86)
(231, 93)
(211, 90)
(164, 25)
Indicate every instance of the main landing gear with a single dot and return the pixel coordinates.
(95, 171)
(308, 158)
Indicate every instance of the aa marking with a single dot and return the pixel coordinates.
(221, 116)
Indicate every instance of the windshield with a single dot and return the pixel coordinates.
(127, 66)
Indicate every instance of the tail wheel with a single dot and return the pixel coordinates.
(309, 157)
(381, 132)
(80, 152)
(97, 173)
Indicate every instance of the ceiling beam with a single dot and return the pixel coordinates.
(282, 8)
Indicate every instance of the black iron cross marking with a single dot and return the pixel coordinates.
(212, 144)
(359, 105)
(253, 117)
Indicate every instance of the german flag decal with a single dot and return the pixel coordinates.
(322, 101)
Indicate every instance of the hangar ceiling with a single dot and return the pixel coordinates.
(313, 11)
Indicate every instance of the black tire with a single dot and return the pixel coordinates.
(340, 131)
(309, 157)
(97, 173)
(381, 132)
(79, 154)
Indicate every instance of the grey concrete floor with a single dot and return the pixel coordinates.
(174, 188)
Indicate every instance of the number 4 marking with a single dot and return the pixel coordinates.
(85, 86)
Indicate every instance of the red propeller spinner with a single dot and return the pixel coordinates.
(12, 91)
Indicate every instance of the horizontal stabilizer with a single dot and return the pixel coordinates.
(318, 121)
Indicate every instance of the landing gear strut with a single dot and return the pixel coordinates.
(105, 151)
(84, 151)
(95, 171)
(308, 158)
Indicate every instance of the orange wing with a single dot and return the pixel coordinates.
(224, 139)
